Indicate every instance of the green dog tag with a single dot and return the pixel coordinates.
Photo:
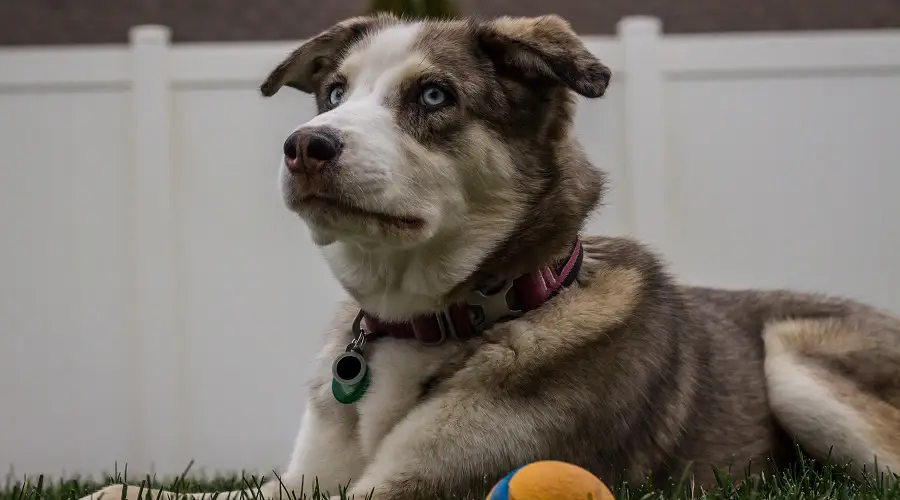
(350, 377)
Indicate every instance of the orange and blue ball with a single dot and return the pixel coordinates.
(550, 480)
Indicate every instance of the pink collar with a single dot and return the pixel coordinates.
(479, 312)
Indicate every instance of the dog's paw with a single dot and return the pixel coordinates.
(113, 492)
(130, 492)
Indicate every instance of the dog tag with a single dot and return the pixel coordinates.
(350, 373)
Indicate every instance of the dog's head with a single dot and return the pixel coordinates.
(446, 138)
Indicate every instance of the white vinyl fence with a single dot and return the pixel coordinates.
(160, 305)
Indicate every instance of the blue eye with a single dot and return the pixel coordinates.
(432, 96)
(335, 96)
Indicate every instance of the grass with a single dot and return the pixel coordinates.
(806, 481)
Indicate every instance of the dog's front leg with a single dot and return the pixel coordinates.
(327, 450)
(326, 453)
(452, 444)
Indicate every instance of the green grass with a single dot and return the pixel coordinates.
(806, 481)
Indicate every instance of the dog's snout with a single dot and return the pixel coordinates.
(309, 149)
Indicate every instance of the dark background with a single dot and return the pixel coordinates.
(24, 22)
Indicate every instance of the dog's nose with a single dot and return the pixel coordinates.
(309, 149)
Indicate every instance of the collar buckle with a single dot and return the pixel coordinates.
(490, 309)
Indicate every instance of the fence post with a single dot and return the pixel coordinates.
(645, 142)
(157, 365)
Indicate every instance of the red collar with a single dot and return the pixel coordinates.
(479, 312)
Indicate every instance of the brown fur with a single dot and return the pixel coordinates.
(628, 373)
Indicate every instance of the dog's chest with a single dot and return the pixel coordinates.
(399, 370)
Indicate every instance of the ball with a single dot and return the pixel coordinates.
(550, 480)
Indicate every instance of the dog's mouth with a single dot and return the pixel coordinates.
(325, 205)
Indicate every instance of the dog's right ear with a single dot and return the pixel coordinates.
(305, 67)
(544, 47)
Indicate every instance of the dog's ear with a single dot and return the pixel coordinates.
(545, 48)
(305, 66)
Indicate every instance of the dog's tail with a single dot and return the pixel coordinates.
(832, 368)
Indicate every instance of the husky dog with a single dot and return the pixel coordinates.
(483, 330)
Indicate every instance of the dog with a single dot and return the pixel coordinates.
(483, 330)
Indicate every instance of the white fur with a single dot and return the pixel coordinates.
(403, 367)
(325, 453)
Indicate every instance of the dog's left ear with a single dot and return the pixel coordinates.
(305, 67)
(544, 47)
